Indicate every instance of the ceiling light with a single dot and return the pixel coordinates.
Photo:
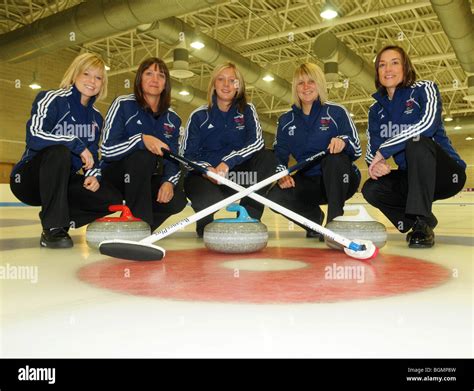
(197, 44)
(469, 138)
(183, 92)
(197, 41)
(448, 118)
(34, 85)
(457, 127)
(351, 114)
(268, 77)
(328, 11)
(107, 68)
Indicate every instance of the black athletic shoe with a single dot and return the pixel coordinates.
(432, 223)
(313, 234)
(56, 238)
(422, 235)
(200, 232)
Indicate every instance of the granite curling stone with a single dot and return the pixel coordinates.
(125, 227)
(236, 236)
(359, 226)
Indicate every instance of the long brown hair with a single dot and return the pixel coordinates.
(165, 96)
(409, 74)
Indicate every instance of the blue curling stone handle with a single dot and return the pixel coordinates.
(242, 215)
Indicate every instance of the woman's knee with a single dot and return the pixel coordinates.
(369, 191)
(178, 202)
(57, 156)
(141, 160)
(417, 144)
(265, 163)
(335, 159)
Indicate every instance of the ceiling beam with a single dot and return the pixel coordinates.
(334, 22)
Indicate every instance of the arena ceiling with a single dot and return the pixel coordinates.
(277, 35)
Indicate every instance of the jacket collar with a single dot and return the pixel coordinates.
(215, 108)
(381, 95)
(314, 113)
(76, 97)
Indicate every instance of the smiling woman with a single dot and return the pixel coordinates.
(226, 137)
(405, 123)
(137, 127)
(62, 138)
(313, 125)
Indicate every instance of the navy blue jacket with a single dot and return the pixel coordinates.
(125, 124)
(59, 118)
(413, 111)
(213, 136)
(303, 136)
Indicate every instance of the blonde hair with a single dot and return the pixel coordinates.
(313, 72)
(80, 64)
(240, 98)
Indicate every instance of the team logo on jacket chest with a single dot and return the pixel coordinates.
(168, 129)
(324, 123)
(291, 130)
(409, 106)
(239, 122)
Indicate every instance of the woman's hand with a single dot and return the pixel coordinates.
(212, 169)
(379, 167)
(286, 182)
(87, 159)
(165, 193)
(221, 169)
(154, 144)
(91, 183)
(336, 145)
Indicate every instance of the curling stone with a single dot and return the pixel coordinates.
(359, 226)
(236, 236)
(125, 227)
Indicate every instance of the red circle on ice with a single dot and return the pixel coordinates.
(274, 275)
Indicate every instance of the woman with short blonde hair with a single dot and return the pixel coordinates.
(313, 72)
(79, 65)
(62, 138)
(313, 125)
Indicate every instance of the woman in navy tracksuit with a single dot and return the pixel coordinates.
(312, 125)
(62, 136)
(226, 137)
(137, 127)
(405, 123)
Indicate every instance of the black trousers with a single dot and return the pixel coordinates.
(403, 195)
(337, 183)
(135, 176)
(47, 181)
(204, 193)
